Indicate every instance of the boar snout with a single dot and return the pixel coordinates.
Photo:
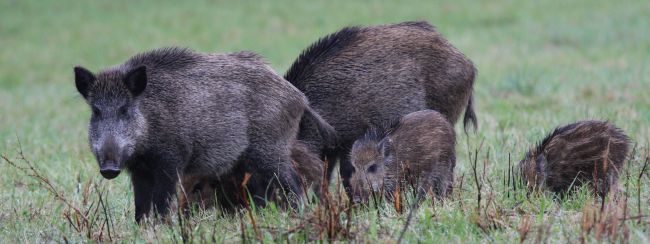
(359, 195)
(109, 160)
(110, 170)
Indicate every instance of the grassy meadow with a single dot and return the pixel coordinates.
(541, 64)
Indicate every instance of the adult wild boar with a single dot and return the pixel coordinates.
(418, 151)
(172, 111)
(586, 152)
(360, 77)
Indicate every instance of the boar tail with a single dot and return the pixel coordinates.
(470, 116)
(326, 131)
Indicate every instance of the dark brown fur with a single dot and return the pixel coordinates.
(309, 166)
(419, 148)
(361, 77)
(575, 154)
(226, 191)
(202, 192)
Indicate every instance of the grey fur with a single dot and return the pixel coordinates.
(200, 114)
(419, 148)
(309, 166)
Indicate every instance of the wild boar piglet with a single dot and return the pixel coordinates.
(416, 151)
(589, 151)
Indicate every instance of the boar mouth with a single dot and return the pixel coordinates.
(110, 170)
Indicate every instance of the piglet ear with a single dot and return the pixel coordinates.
(83, 79)
(136, 80)
(384, 147)
(541, 163)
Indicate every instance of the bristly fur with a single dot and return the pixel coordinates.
(163, 58)
(363, 76)
(328, 46)
(322, 49)
(420, 24)
(377, 133)
(195, 116)
(168, 58)
(470, 116)
(539, 149)
(587, 151)
(248, 55)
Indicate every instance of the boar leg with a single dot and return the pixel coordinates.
(153, 185)
(143, 184)
(267, 171)
(346, 169)
(164, 190)
(438, 183)
(331, 157)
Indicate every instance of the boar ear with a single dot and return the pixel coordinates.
(541, 161)
(83, 79)
(540, 164)
(136, 80)
(384, 147)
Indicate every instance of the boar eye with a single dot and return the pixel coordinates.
(123, 110)
(197, 189)
(372, 168)
(96, 111)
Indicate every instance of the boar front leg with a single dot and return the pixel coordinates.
(153, 186)
(143, 184)
(163, 191)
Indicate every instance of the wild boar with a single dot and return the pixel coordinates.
(418, 150)
(173, 111)
(589, 151)
(360, 77)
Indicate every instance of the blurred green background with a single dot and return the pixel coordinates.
(541, 64)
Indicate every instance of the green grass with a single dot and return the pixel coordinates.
(541, 64)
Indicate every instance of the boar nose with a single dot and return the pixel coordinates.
(109, 170)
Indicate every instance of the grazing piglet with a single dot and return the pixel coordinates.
(583, 152)
(203, 192)
(418, 150)
(172, 111)
(360, 77)
(227, 191)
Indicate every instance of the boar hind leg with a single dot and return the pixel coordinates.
(331, 157)
(272, 174)
(345, 166)
(346, 169)
(438, 185)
